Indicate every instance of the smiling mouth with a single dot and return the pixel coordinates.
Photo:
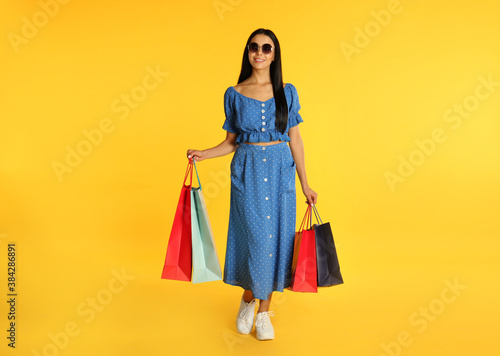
(258, 60)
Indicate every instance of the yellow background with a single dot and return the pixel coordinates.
(399, 248)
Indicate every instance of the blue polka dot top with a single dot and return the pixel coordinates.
(254, 120)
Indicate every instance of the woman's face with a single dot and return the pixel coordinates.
(259, 60)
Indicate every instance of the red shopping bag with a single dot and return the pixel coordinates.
(178, 261)
(304, 268)
(298, 238)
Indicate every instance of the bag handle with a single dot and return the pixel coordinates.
(310, 216)
(197, 176)
(189, 171)
(316, 213)
(307, 219)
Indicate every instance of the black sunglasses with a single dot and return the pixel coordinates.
(254, 48)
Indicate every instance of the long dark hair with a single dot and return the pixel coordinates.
(276, 77)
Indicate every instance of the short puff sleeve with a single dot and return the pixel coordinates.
(294, 117)
(229, 112)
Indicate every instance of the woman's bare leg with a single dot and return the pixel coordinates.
(247, 296)
(264, 304)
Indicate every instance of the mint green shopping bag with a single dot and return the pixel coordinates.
(206, 265)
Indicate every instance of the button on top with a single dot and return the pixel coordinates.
(263, 104)
(263, 148)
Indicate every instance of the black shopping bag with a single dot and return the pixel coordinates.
(328, 267)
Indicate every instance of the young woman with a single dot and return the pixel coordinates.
(261, 117)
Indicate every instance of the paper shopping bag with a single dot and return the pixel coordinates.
(298, 238)
(178, 260)
(328, 267)
(206, 265)
(304, 276)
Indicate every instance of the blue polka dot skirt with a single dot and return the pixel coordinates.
(262, 219)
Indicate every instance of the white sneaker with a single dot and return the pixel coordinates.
(244, 320)
(263, 326)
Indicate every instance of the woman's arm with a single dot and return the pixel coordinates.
(297, 148)
(225, 147)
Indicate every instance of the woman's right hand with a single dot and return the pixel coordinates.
(197, 155)
(225, 147)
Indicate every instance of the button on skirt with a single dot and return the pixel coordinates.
(262, 219)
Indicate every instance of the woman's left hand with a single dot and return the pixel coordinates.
(311, 195)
